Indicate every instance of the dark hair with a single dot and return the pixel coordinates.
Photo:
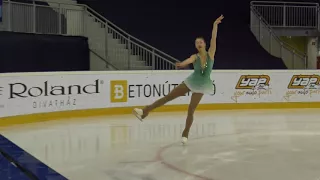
(202, 38)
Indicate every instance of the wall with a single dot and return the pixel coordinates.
(97, 63)
(312, 52)
(299, 42)
(307, 45)
(99, 93)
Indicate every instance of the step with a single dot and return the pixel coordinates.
(96, 64)
(137, 63)
(122, 63)
(117, 52)
(114, 44)
(120, 56)
(134, 58)
(141, 68)
(118, 60)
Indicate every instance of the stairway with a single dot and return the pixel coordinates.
(292, 58)
(111, 48)
(121, 49)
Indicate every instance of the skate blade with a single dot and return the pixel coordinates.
(137, 115)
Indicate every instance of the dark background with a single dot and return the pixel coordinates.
(25, 52)
(172, 26)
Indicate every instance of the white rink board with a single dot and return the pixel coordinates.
(27, 93)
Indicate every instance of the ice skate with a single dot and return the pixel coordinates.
(184, 140)
(138, 113)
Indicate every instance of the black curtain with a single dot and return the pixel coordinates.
(22, 52)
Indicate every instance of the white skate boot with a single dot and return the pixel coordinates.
(184, 140)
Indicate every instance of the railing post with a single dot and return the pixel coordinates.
(284, 15)
(270, 44)
(250, 19)
(59, 20)
(260, 29)
(153, 60)
(129, 52)
(293, 57)
(9, 16)
(318, 18)
(305, 62)
(281, 49)
(85, 16)
(34, 17)
(316, 25)
(106, 41)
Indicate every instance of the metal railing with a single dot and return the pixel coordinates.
(38, 17)
(292, 58)
(146, 53)
(288, 14)
(126, 51)
(108, 65)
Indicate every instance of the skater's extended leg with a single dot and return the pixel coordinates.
(180, 90)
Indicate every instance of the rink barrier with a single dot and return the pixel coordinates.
(38, 97)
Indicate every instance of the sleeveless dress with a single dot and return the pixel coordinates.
(199, 81)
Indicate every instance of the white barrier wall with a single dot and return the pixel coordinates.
(28, 93)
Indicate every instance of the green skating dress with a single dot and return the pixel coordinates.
(199, 81)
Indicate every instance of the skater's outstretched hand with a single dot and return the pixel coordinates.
(218, 20)
(185, 63)
(213, 41)
(180, 65)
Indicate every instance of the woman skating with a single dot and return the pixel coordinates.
(199, 82)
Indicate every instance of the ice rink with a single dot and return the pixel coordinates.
(223, 145)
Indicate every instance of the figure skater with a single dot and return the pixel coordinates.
(198, 82)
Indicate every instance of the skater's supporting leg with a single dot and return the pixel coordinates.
(195, 100)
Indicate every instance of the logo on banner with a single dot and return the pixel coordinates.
(119, 91)
(252, 85)
(122, 91)
(303, 85)
(53, 91)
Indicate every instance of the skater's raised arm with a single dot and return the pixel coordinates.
(186, 62)
(213, 42)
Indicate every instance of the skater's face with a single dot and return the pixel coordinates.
(200, 44)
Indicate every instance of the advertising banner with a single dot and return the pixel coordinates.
(302, 87)
(27, 94)
(37, 94)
